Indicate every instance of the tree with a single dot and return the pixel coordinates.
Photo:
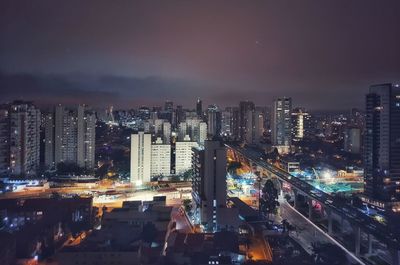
(175, 178)
(269, 201)
(187, 175)
(187, 203)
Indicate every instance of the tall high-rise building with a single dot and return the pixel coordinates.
(226, 123)
(70, 136)
(140, 158)
(183, 156)
(352, 140)
(169, 105)
(167, 132)
(158, 127)
(4, 140)
(281, 124)
(180, 115)
(235, 122)
(200, 133)
(254, 127)
(199, 108)
(24, 140)
(182, 131)
(160, 159)
(382, 144)
(301, 123)
(209, 183)
(213, 120)
(244, 108)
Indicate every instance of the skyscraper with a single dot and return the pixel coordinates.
(209, 182)
(180, 115)
(254, 126)
(167, 132)
(301, 122)
(281, 124)
(382, 144)
(158, 127)
(226, 122)
(70, 136)
(352, 140)
(201, 132)
(235, 122)
(160, 159)
(244, 108)
(213, 120)
(169, 105)
(183, 156)
(182, 131)
(24, 143)
(199, 108)
(140, 158)
(4, 140)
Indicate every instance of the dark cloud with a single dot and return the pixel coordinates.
(96, 90)
(323, 54)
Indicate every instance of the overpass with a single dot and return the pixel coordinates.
(358, 220)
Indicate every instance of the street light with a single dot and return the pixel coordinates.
(259, 179)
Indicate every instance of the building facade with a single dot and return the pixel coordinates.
(183, 156)
(382, 144)
(281, 130)
(160, 159)
(209, 183)
(244, 108)
(140, 158)
(24, 138)
(301, 123)
(70, 136)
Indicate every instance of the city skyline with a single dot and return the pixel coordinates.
(199, 132)
(139, 53)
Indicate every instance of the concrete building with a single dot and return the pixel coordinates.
(119, 241)
(70, 136)
(4, 140)
(158, 127)
(301, 123)
(213, 120)
(160, 159)
(183, 156)
(226, 123)
(24, 138)
(352, 140)
(382, 146)
(201, 133)
(182, 131)
(166, 132)
(209, 183)
(281, 124)
(140, 158)
(199, 108)
(254, 127)
(191, 126)
(244, 108)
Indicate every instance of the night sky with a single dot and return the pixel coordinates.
(324, 54)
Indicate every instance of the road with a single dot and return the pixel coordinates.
(258, 250)
(352, 214)
(308, 233)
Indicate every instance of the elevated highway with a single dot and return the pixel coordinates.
(358, 220)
